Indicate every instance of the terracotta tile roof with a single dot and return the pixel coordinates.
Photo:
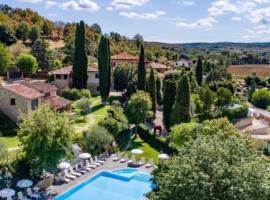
(124, 56)
(40, 86)
(156, 65)
(68, 70)
(23, 90)
(57, 102)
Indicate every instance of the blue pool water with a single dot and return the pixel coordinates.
(124, 184)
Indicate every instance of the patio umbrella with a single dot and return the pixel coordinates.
(7, 192)
(25, 183)
(63, 165)
(84, 156)
(137, 151)
(164, 156)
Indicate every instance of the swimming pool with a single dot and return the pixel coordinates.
(123, 184)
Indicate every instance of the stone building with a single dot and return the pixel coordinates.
(23, 97)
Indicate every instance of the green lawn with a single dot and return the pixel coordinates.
(10, 142)
(148, 151)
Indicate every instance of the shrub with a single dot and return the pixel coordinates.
(261, 98)
(237, 113)
(85, 93)
(71, 94)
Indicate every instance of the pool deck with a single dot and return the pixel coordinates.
(109, 165)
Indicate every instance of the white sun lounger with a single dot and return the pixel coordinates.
(79, 169)
(88, 165)
(150, 163)
(69, 176)
(95, 163)
(21, 196)
(124, 159)
(116, 157)
(99, 161)
(31, 194)
(72, 172)
(131, 160)
(142, 161)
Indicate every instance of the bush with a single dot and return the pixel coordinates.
(237, 113)
(85, 93)
(71, 94)
(261, 98)
(161, 144)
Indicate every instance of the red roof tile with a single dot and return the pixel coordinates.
(23, 90)
(68, 70)
(57, 102)
(156, 65)
(40, 86)
(124, 56)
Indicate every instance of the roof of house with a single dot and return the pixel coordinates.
(57, 102)
(156, 65)
(40, 86)
(185, 60)
(124, 56)
(24, 91)
(68, 70)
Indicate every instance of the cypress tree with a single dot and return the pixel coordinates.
(104, 67)
(159, 91)
(141, 71)
(79, 75)
(181, 111)
(152, 90)
(199, 71)
(40, 52)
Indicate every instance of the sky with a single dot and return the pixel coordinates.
(171, 21)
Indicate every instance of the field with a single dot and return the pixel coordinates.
(247, 70)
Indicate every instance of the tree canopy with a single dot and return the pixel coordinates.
(27, 64)
(45, 136)
(5, 58)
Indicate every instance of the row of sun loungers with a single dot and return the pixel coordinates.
(132, 160)
(29, 194)
(79, 169)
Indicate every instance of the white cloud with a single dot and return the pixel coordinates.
(49, 4)
(127, 4)
(204, 23)
(31, 1)
(80, 5)
(236, 18)
(222, 7)
(261, 15)
(188, 3)
(135, 15)
(109, 8)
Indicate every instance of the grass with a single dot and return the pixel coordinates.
(148, 151)
(241, 71)
(10, 141)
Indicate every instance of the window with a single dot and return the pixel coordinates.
(58, 76)
(34, 104)
(65, 76)
(97, 75)
(47, 94)
(12, 101)
(98, 88)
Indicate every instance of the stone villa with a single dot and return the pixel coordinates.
(124, 58)
(23, 96)
(182, 63)
(63, 79)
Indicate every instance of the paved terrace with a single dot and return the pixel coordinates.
(109, 165)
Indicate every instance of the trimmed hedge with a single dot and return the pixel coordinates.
(160, 144)
(236, 113)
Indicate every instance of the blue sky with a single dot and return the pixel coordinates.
(165, 20)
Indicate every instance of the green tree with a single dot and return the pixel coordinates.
(46, 29)
(5, 57)
(199, 71)
(104, 67)
(98, 140)
(39, 50)
(224, 97)
(181, 111)
(261, 98)
(96, 27)
(211, 168)
(27, 64)
(141, 84)
(3, 152)
(207, 98)
(22, 30)
(33, 34)
(84, 106)
(169, 92)
(45, 137)
(123, 76)
(152, 90)
(138, 40)
(80, 62)
(6, 36)
(159, 91)
(139, 108)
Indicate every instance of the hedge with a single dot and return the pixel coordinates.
(236, 113)
(160, 144)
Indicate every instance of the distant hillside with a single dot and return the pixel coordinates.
(217, 45)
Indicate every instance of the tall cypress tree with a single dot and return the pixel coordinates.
(39, 50)
(199, 71)
(79, 74)
(152, 90)
(104, 67)
(141, 71)
(181, 111)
